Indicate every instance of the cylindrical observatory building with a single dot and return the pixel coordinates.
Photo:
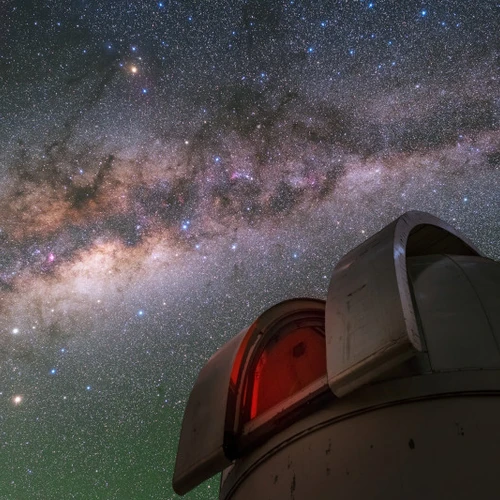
(388, 390)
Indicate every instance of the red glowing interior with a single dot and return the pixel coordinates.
(288, 363)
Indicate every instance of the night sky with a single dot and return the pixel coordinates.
(169, 170)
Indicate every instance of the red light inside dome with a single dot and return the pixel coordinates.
(288, 364)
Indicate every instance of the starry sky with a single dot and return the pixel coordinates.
(169, 170)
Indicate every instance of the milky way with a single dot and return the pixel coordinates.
(171, 169)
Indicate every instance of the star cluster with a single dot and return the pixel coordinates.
(171, 169)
